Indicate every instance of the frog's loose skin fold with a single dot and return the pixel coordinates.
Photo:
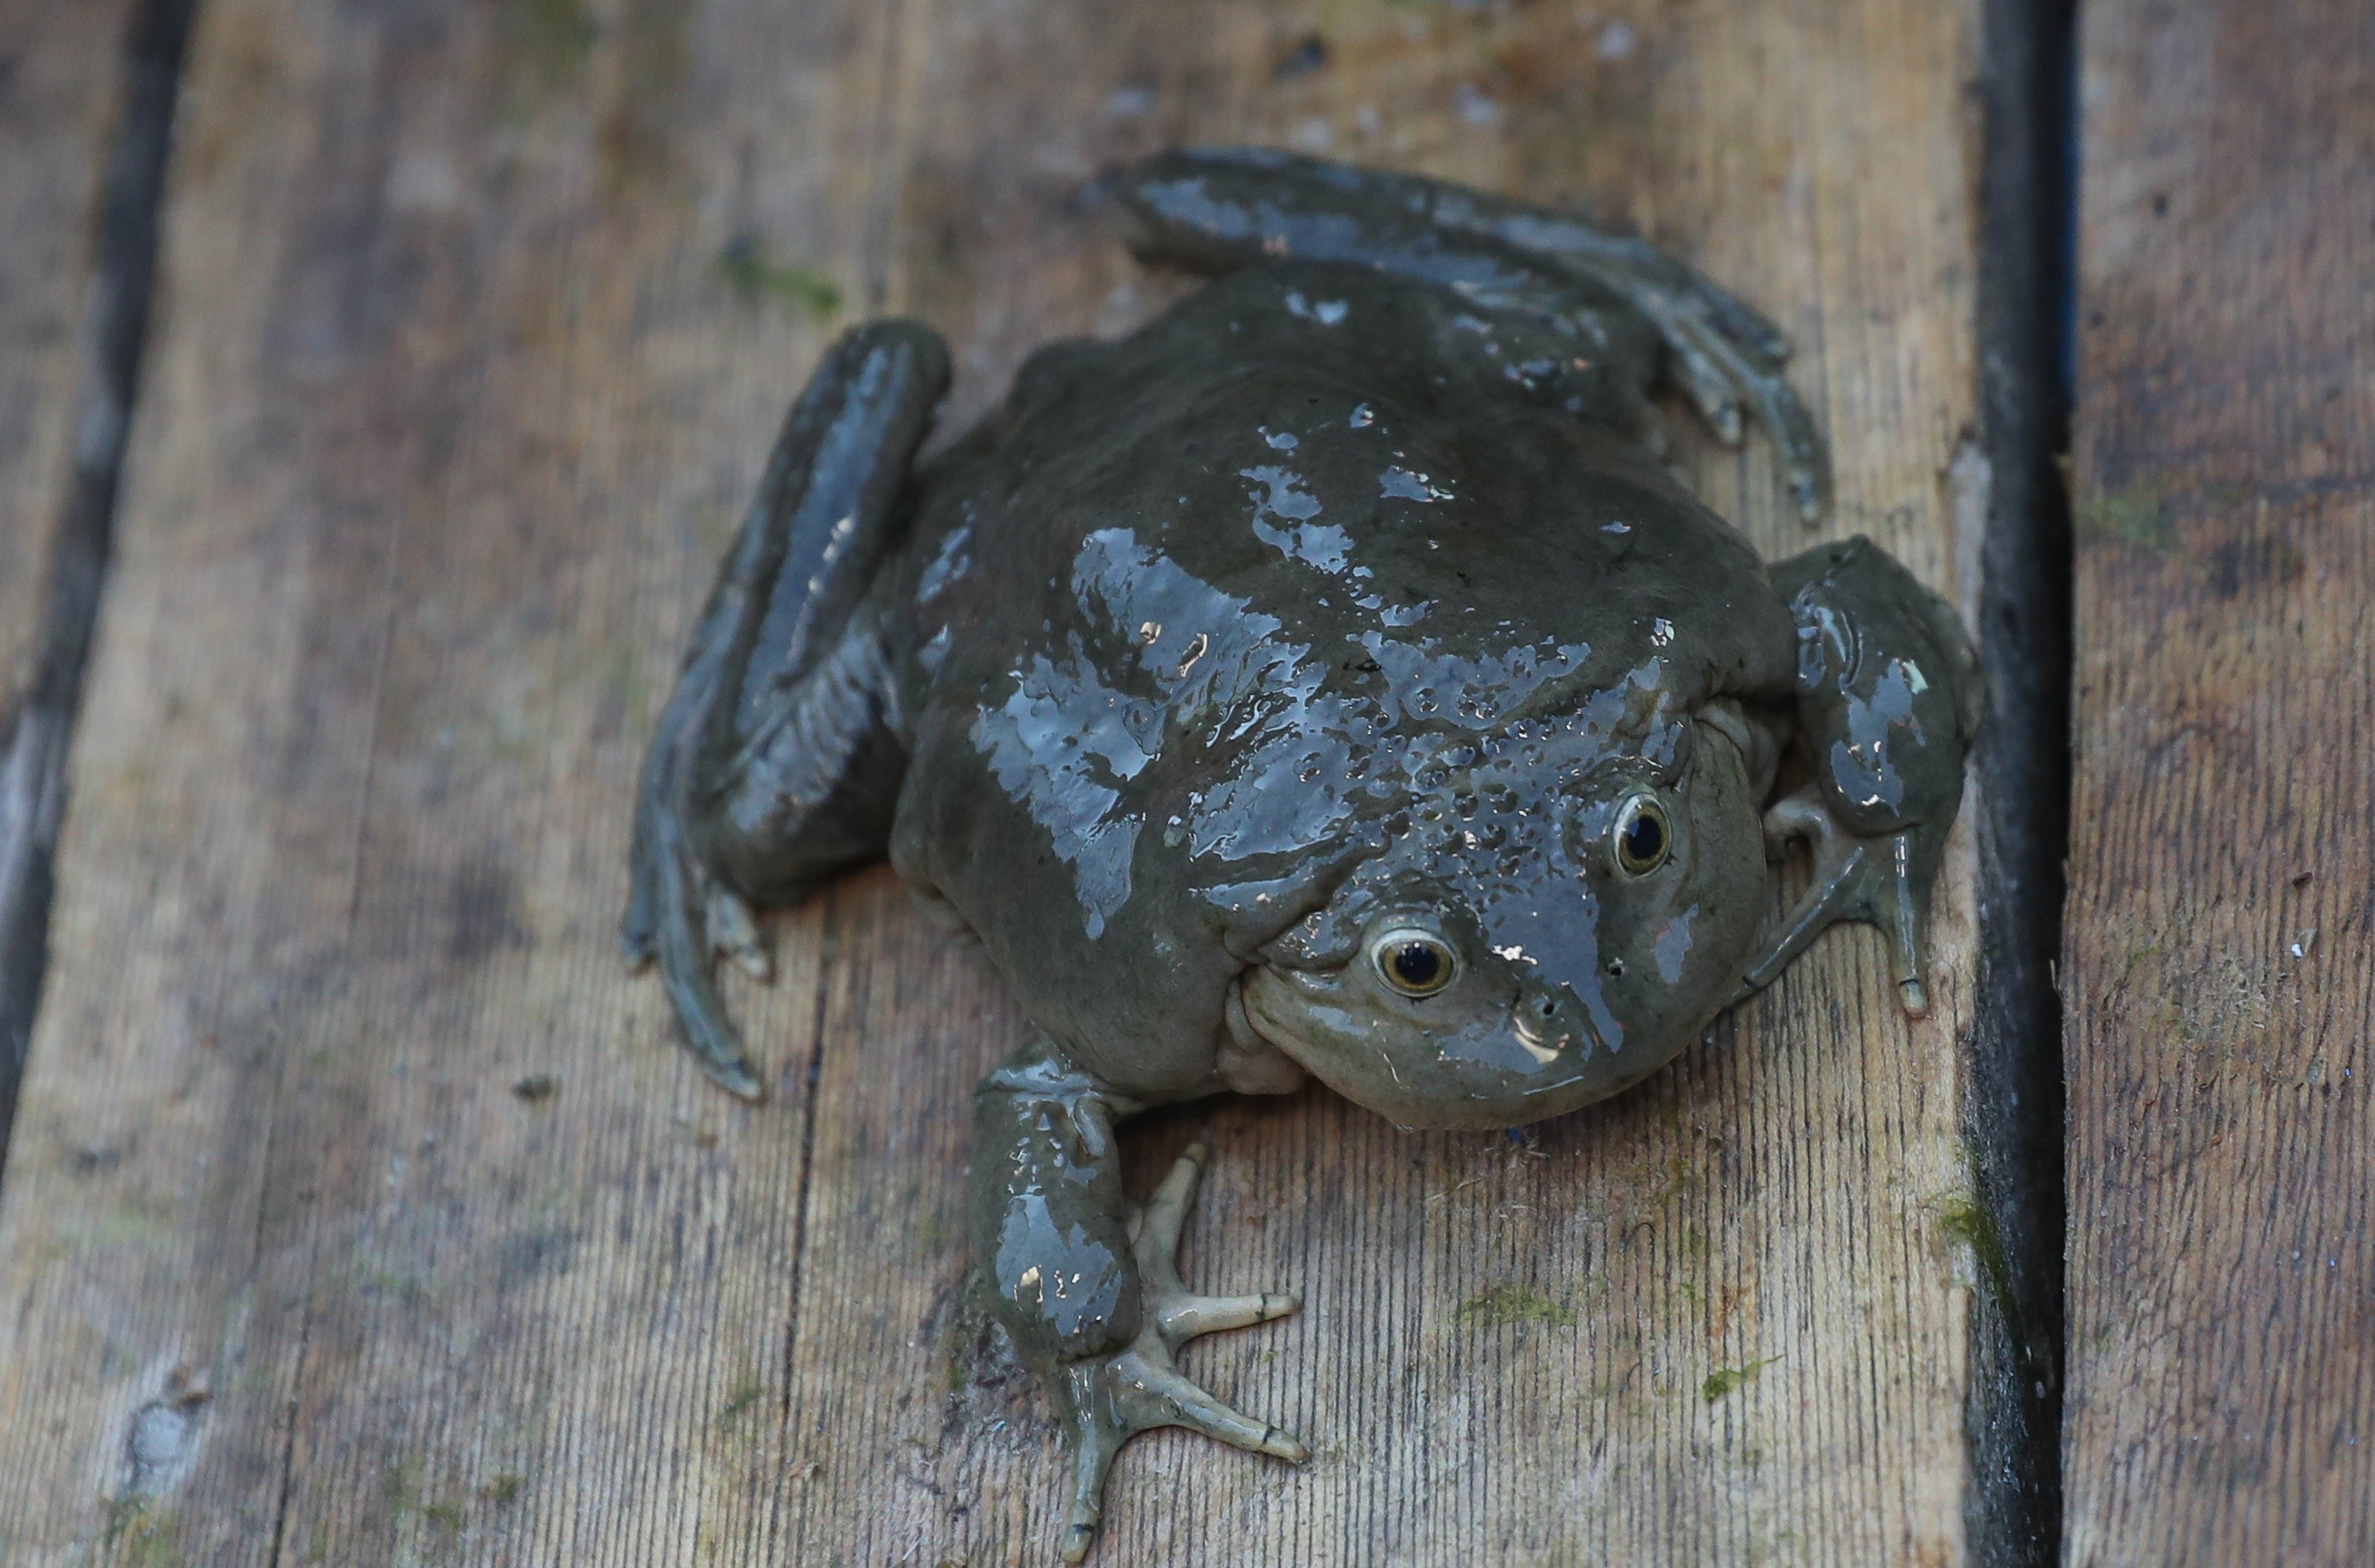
(1326, 680)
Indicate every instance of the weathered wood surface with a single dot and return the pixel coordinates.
(2220, 935)
(67, 86)
(480, 320)
(59, 93)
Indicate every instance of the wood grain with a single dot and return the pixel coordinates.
(59, 94)
(2220, 934)
(479, 319)
(74, 84)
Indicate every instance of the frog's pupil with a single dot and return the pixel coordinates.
(1645, 838)
(1416, 964)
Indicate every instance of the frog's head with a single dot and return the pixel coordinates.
(1519, 950)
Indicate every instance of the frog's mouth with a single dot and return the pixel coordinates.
(1477, 1066)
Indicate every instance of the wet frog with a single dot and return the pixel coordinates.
(1326, 680)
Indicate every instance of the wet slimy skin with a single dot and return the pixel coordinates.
(1325, 679)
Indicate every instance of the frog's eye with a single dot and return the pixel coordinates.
(1415, 962)
(1643, 836)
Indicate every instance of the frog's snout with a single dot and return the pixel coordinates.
(1416, 1029)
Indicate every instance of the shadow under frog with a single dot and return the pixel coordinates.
(1324, 680)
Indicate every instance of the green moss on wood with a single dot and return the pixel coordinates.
(753, 273)
(1724, 1380)
(1514, 1303)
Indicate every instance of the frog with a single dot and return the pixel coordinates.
(1328, 678)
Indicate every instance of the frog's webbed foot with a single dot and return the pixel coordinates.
(1889, 701)
(1218, 209)
(1722, 368)
(1884, 880)
(1110, 1399)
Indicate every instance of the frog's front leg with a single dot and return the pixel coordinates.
(1089, 1288)
(1888, 699)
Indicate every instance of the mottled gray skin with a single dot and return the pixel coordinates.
(1341, 608)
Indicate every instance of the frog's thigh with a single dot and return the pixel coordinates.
(1888, 697)
(772, 766)
(812, 790)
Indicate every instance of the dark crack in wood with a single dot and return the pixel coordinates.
(33, 748)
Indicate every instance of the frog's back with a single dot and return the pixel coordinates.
(1195, 615)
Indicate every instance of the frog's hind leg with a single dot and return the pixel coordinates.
(1888, 700)
(1219, 209)
(774, 765)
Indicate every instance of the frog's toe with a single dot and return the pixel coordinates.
(682, 936)
(679, 917)
(717, 1046)
(1883, 879)
(1179, 1315)
(1741, 321)
(639, 928)
(1094, 1447)
(1117, 1397)
(1167, 1399)
(1156, 1227)
(733, 932)
(1730, 426)
(1728, 362)
(1711, 391)
(1804, 463)
(1191, 1316)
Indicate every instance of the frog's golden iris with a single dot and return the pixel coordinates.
(1643, 838)
(1415, 963)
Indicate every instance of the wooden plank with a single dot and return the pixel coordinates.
(60, 88)
(2219, 938)
(454, 403)
(481, 318)
(1504, 1348)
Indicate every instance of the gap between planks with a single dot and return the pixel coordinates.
(815, 1053)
